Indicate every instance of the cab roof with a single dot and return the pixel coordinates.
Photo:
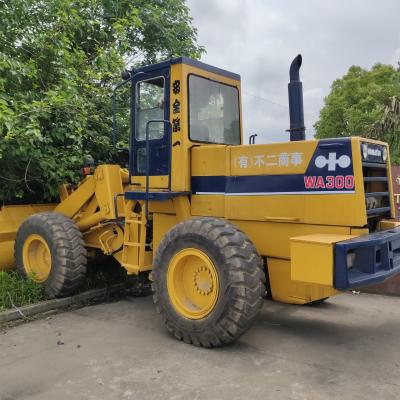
(188, 61)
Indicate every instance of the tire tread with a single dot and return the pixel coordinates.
(245, 287)
(68, 252)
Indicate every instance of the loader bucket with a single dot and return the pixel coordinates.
(11, 217)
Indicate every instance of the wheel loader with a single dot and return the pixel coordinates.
(216, 224)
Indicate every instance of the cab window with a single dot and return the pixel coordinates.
(150, 97)
(213, 111)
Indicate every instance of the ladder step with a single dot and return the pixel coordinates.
(130, 266)
(134, 221)
(133, 244)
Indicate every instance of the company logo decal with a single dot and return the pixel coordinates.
(374, 152)
(329, 182)
(332, 161)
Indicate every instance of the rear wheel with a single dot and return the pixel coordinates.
(208, 282)
(49, 249)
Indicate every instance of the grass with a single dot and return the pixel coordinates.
(15, 291)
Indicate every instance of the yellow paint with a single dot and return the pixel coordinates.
(272, 159)
(182, 208)
(135, 257)
(179, 140)
(36, 257)
(90, 208)
(307, 209)
(7, 260)
(11, 217)
(74, 202)
(272, 239)
(108, 238)
(85, 223)
(296, 232)
(108, 185)
(164, 207)
(182, 145)
(162, 223)
(211, 160)
(155, 182)
(285, 290)
(312, 258)
(208, 205)
(389, 175)
(388, 224)
(359, 231)
(63, 191)
(192, 283)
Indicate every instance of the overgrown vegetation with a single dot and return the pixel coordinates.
(59, 60)
(364, 103)
(103, 272)
(17, 292)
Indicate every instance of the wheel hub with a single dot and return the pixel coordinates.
(203, 280)
(192, 283)
(36, 258)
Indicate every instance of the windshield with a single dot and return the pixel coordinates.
(213, 111)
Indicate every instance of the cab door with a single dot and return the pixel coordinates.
(150, 101)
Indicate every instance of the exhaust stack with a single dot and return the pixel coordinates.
(296, 110)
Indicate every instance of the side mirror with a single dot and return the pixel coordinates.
(122, 157)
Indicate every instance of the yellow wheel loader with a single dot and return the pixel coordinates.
(215, 223)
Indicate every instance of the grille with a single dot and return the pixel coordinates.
(376, 188)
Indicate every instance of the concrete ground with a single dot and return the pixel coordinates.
(347, 348)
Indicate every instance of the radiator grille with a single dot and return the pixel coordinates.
(377, 194)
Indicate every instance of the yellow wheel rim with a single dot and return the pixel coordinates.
(192, 283)
(36, 257)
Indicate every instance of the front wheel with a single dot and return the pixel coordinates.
(208, 282)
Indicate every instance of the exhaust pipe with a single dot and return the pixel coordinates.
(296, 109)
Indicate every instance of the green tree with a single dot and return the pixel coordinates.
(59, 60)
(363, 103)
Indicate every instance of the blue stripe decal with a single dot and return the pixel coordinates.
(253, 184)
(330, 171)
(209, 184)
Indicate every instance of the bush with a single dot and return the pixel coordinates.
(59, 60)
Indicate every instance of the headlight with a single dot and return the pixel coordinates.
(384, 154)
(365, 151)
(351, 257)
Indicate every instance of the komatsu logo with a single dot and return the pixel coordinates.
(332, 161)
(374, 152)
(329, 182)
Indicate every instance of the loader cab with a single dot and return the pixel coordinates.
(181, 103)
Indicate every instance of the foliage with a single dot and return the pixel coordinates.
(59, 60)
(104, 271)
(15, 291)
(363, 102)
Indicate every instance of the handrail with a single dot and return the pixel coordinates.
(152, 121)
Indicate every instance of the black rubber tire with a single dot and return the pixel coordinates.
(241, 280)
(67, 248)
